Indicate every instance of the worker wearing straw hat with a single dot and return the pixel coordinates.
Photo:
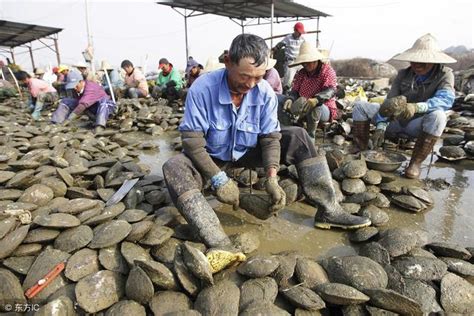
(272, 76)
(84, 70)
(115, 79)
(211, 65)
(311, 98)
(415, 106)
(39, 73)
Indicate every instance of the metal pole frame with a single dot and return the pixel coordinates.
(271, 24)
(31, 56)
(317, 33)
(185, 15)
(13, 54)
(56, 48)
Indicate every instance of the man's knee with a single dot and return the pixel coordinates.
(294, 132)
(132, 93)
(364, 111)
(436, 117)
(170, 165)
(434, 122)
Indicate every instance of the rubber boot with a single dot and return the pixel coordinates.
(360, 132)
(61, 113)
(312, 121)
(104, 109)
(98, 129)
(199, 214)
(36, 115)
(423, 147)
(316, 180)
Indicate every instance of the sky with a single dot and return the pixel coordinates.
(144, 32)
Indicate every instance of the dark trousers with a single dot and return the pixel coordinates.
(181, 175)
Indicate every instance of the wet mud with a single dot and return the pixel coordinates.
(450, 218)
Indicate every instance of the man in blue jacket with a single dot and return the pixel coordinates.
(231, 120)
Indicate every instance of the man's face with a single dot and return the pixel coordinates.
(128, 69)
(195, 70)
(165, 68)
(24, 82)
(421, 69)
(244, 76)
(82, 69)
(80, 86)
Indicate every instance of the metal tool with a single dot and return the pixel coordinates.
(16, 82)
(111, 89)
(120, 194)
(47, 279)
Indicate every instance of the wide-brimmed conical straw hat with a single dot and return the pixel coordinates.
(212, 64)
(425, 50)
(104, 65)
(39, 71)
(308, 53)
(80, 64)
(271, 63)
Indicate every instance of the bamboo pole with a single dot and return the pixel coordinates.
(16, 82)
(283, 35)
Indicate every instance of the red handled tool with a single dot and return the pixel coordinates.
(48, 278)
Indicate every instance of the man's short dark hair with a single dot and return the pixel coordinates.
(22, 75)
(163, 61)
(248, 46)
(126, 63)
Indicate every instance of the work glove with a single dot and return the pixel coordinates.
(36, 115)
(392, 107)
(325, 95)
(378, 137)
(313, 102)
(287, 104)
(226, 189)
(298, 106)
(72, 117)
(469, 97)
(276, 192)
(171, 83)
(408, 112)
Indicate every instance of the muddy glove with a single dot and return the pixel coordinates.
(287, 104)
(298, 106)
(171, 83)
(276, 192)
(312, 103)
(410, 110)
(469, 97)
(325, 95)
(379, 135)
(392, 107)
(72, 117)
(226, 189)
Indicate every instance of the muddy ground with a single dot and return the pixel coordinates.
(450, 219)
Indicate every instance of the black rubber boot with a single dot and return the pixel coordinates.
(316, 180)
(200, 215)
